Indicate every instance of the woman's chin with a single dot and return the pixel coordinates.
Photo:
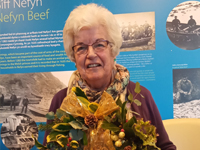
(94, 78)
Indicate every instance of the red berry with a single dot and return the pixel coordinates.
(68, 145)
(122, 130)
(70, 138)
(126, 120)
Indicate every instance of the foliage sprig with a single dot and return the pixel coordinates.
(67, 132)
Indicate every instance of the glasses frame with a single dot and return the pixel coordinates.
(98, 40)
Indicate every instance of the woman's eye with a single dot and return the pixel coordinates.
(81, 48)
(99, 45)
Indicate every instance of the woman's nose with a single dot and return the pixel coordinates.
(91, 51)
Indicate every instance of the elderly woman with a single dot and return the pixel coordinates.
(92, 39)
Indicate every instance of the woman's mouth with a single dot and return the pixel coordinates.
(93, 65)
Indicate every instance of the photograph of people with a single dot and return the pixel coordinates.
(186, 93)
(191, 24)
(176, 24)
(13, 102)
(19, 93)
(137, 34)
(24, 104)
(1, 100)
(92, 40)
(183, 25)
(17, 131)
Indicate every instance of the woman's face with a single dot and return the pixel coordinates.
(94, 67)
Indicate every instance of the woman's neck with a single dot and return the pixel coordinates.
(102, 84)
(99, 85)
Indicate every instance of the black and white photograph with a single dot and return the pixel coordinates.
(30, 93)
(186, 93)
(183, 25)
(138, 31)
(17, 131)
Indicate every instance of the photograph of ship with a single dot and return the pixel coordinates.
(183, 25)
(17, 131)
(138, 31)
(186, 93)
(30, 93)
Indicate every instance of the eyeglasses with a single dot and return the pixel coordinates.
(98, 46)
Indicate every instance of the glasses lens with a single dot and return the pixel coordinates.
(100, 45)
(80, 49)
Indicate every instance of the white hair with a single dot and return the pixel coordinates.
(91, 15)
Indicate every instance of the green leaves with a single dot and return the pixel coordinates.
(137, 102)
(93, 107)
(124, 111)
(60, 113)
(62, 127)
(62, 140)
(74, 144)
(128, 127)
(77, 125)
(79, 92)
(52, 136)
(138, 134)
(85, 141)
(83, 101)
(58, 137)
(66, 120)
(137, 91)
(107, 118)
(130, 122)
(118, 102)
(38, 144)
(119, 116)
(76, 134)
(130, 97)
(110, 126)
(147, 133)
(137, 87)
(121, 113)
(50, 115)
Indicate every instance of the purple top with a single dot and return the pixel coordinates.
(148, 111)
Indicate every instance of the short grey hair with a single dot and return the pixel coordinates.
(91, 15)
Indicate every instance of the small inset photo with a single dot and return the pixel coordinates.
(186, 93)
(17, 132)
(183, 25)
(138, 31)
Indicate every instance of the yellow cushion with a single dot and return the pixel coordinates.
(184, 133)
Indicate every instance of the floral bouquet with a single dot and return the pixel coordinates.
(82, 125)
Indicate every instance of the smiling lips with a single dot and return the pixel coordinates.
(93, 65)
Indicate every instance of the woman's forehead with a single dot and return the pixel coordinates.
(90, 34)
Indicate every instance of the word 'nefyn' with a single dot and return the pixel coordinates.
(5, 4)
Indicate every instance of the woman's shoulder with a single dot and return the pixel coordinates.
(58, 99)
(61, 93)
